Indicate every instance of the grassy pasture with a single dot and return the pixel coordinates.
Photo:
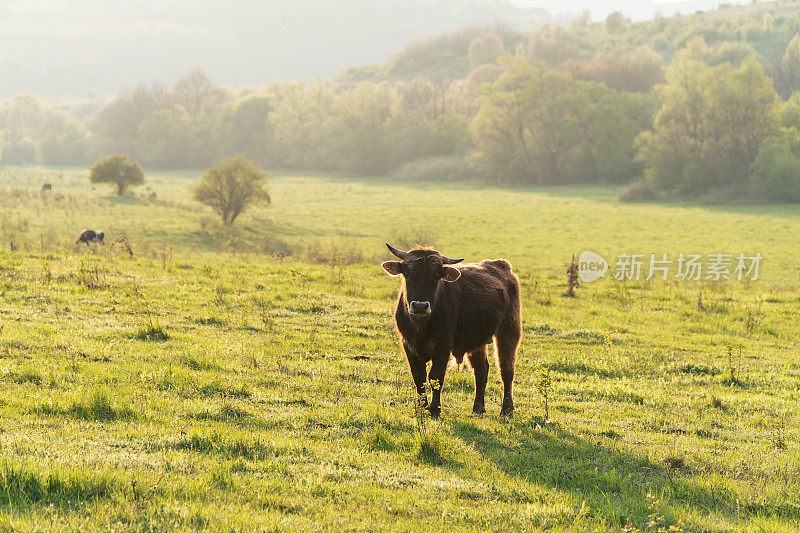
(205, 383)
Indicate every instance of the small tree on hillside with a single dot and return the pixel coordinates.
(230, 187)
(484, 49)
(117, 170)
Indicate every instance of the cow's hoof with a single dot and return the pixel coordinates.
(507, 410)
(478, 409)
(435, 411)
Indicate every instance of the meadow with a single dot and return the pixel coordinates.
(250, 378)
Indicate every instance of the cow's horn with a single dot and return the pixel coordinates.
(447, 261)
(399, 253)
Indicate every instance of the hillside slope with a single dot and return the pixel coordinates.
(731, 30)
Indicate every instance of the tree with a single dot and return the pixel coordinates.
(615, 22)
(356, 130)
(546, 128)
(116, 126)
(194, 91)
(246, 129)
(553, 47)
(733, 52)
(118, 170)
(231, 187)
(484, 49)
(51, 149)
(790, 67)
(21, 119)
(710, 127)
(635, 71)
(776, 170)
(65, 145)
(296, 119)
(165, 140)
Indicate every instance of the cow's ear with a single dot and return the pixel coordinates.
(393, 268)
(451, 273)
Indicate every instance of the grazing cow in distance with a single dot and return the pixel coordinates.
(88, 236)
(47, 188)
(442, 310)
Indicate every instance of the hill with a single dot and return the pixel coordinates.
(727, 26)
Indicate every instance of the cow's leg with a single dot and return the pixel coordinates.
(480, 366)
(436, 380)
(417, 366)
(506, 342)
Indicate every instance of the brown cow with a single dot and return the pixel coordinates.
(442, 309)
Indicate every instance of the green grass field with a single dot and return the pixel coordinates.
(206, 383)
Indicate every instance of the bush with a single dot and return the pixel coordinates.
(272, 244)
(232, 186)
(436, 169)
(335, 251)
(408, 238)
(776, 174)
(638, 191)
(118, 171)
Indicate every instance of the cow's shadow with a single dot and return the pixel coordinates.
(613, 484)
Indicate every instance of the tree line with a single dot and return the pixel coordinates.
(691, 107)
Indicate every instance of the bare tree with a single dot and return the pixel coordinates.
(117, 125)
(194, 91)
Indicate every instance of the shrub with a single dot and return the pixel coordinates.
(272, 244)
(415, 236)
(436, 169)
(638, 191)
(231, 187)
(335, 251)
(118, 171)
(776, 174)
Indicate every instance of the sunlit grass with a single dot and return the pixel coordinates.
(206, 386)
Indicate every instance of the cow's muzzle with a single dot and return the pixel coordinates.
(419, 308)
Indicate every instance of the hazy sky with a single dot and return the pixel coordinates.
(634, 9)
(67, 47)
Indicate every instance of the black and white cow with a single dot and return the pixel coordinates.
(88, 236)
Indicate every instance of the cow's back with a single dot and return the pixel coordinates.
(487, 295)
